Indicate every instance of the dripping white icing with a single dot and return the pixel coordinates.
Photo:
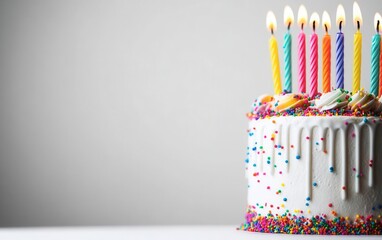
(303, 128)
(344, 164)
(371, 150)
(357, 159)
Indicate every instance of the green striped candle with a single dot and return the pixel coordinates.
(375, 45)
(288, 63)
(287, 46)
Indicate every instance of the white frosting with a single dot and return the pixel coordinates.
(332, 100)
(363, 101)
(378, 108)
(345, 144)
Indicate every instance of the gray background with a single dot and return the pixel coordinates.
(133, 112)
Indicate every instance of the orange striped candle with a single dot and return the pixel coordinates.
(326, 53)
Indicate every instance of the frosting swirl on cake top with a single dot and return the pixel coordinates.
(336, 99)
(335, 103)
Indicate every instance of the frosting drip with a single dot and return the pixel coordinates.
(281, 146)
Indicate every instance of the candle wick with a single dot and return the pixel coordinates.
(340, 26)
(289, 26)
(326, 28)
(272, 31)
(302, 26)
(377, 29)
(314, 26)
(358, 25)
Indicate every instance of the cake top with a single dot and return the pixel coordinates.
(335, 103)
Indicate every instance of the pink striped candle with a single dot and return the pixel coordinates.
(302, 19)
(314, 21)
(301, 63)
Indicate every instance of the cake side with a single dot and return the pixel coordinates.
(314, 168)
(313, 165)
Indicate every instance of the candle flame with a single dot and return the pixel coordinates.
(302, 15)
(357, 15)
(314, 19)
(340, 16)
(288, 16)
(326, 21)
(377, 18)
(271, 21)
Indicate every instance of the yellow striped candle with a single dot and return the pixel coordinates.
(273, 49)
(357, 18)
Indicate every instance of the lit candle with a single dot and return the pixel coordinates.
(302, 19)
(314, 21)
(340, 19)
(357, 18)
(380, 75)
(375, 51)
(288, 21)
(272, 24)
(326, 53)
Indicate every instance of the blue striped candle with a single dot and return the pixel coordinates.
(340, 60)
(340, 20)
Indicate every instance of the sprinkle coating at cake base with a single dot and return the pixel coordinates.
(320, 225)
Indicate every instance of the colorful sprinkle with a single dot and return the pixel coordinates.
(318, 224)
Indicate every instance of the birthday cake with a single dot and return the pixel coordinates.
(314, 161)
(313, 165)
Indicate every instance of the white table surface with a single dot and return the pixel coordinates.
(150, 232)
